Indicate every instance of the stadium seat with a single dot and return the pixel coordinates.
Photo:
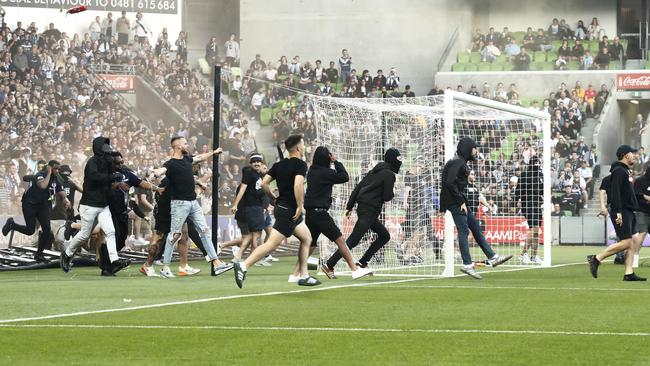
(573, 65)
(539, 56)
(536, 66)
(593, 47)
(471, 67)
(265, 116)
(519, 36)
(508, 66)
(282, 78)
(475, 57)
(557, 44)
(568, 213)
(204, 66)
(501, 58)
(236, 71)
(546, 66)
(484, 66)
(458, 67)
(497, 66)
(463, 57)
(615, 65)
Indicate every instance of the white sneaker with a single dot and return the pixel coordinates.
(165, 272)
(158, 263)
(263, 263)
(272, 258)
(537, 260)
(148, 271)
(140, 242)
(235, 251)
(470, 271)
(525, 259)
(187, 271)
(207, 259)
(360, 272)
(293, 279)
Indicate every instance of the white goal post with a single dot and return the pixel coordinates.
(426, 131)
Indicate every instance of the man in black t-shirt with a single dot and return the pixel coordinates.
(530, 191)
(290, 177)
(37, 204)
(178, 170)
(249, 201)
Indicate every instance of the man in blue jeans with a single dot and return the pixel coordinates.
(452, 199)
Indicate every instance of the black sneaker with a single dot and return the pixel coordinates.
(107, 273)
(8, 226)
(65, 262)
(619, 258)
(593, 265)
(633, 277)
(119, 265)
(240, 275)
(40, 258)
(308, 281)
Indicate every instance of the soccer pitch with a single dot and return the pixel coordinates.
(553, 316)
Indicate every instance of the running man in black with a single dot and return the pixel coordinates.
(318, 200)
(290, 177)
(623, 203)
(37, 204)
(248, 206)
(530, 192)
(369, 195)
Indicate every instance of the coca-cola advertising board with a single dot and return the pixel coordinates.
(121, 83)
(633, 81)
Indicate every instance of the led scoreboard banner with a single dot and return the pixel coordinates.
(133, 6)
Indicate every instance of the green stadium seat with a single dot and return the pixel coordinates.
(475, 57)
(593, 47)
(471, 67)
(556, 44)
(282, 78)
(236, 71)
(568, 213)
(519, 36)
(463, 57)
(204, 66)
(484, 66)
(539, 56)
(497, 66)
(573, 65)
(546, 66)
(615, 65)
(266, 114)
(536, 66)
(501, 58)
(458, 67)
(508, 66)
(647, 65)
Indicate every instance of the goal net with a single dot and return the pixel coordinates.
(426, 131)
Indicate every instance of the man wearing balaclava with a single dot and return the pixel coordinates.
(530, 192)
(369, 196)
(98, 175)
(452, 199)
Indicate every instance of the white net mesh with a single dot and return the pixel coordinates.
(359, 131)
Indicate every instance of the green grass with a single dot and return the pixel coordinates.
(414, 322)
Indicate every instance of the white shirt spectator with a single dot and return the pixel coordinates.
(236, 85)
(585, 173)
(232, 49)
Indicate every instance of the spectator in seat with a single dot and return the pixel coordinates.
(505, 37)
(333, 74)
(565, 30)
(577, 51)
(522, 61)
(473, 91)
(590, 99)
(257, 63)
(392, 81)
(557, 211)
(587, 174)
(232, 51)
(294, 66)
(529, 40)
(490, 52)
(408, 92)
(512, 50)
(283, 66)
(319, 72)
(581, 31)
(542, 42)
(181, 46)
(478, 39)
(570, 200)
(212, 51)
(345, 64)
(554, 29)
(565, 50)
(580, 185)
(560, 63)
(595, 31)
(379, 81)
(616, 50)
(601, 98)
(256, 103)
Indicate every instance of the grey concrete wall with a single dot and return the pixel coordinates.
(152, 106)
(409, 35)
(519, 15)
(205, 18)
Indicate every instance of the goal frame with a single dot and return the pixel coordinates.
(450, 97)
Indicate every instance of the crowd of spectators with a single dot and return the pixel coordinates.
(574, 46)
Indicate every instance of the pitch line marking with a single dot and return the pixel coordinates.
(324, 329)
(524, 288)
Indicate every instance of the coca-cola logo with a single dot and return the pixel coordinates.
(119, 82)
(634, 81)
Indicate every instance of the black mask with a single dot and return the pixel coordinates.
(107, 149)
(393, 158)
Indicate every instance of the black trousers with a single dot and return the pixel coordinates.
(121, 223)
(33, 212)
(368, 219)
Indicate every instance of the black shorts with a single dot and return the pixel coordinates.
(625, 230)
(243, 226)
(254, 217)
(320, 222)
(533, 215)
(642, 222)
(283, 222)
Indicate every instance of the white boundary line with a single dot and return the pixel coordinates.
(602, 289)
(318, 329)
(243, 296)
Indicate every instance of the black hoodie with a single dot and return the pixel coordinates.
(374, 189)
(97, 176)
(621, 190)
(454, 176)
(642, 187)
(321, 178)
